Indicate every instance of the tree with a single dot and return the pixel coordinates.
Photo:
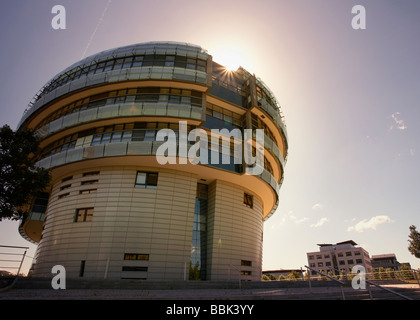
(20, 179)
(414, 242)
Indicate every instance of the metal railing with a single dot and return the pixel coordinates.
(325, 275)
(11, 258)
(386, 289)
(369, 282)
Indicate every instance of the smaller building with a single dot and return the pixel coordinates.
(338, 258)
(387, 261)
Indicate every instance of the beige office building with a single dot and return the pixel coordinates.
(112, 210)
(339, 257)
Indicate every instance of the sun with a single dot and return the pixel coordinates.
(229, 56)
(230, 60)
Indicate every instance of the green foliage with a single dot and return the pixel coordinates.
(414, 242)
(194, 273)
(20, 180)
(406, 272)
(265, 278)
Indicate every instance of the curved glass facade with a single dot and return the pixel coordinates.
(104, 111)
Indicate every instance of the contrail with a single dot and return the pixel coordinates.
(96, 29)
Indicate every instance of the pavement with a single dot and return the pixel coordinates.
(301, 293)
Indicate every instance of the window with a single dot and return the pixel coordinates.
(64, 195)
(246, 263)
(136, 256)
(83, 215)
(65, 187)
(350, 262)
(67, 179)
(84, 183)
(340, 254)
(311, 257)
(359, 261)
(146, 180)
(348, 254)
(342, 262)
(92, 173)
(127, 268)
(320, 264)
(328, 264)
(87, 191)
(82, 268)
(318, 256)
(246, 273)
(248, 200)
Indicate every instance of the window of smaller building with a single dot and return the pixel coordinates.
(311, 257)
(320, 264)
(348, 254)
(359, 261)
(83, 215)
(328, 264)
(350, 262)
(340, 254)
(246, 273)
(341, 262)
(146, 180)
(319, 256)
(248, 200)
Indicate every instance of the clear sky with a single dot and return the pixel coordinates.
(351, 99)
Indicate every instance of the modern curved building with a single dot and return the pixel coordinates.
(112, 210)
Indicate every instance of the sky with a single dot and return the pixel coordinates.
(350, 97)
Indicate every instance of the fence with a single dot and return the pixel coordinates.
(11, 260)
(407, 276)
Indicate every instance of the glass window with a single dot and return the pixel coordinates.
(67, 179)
(84, 183)
(248, 200)
(136, 256)
(91, 173)
(88, 191)
(83, 215)
(246, 263)
(146, 180)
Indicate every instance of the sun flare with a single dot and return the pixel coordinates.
(230, 57)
